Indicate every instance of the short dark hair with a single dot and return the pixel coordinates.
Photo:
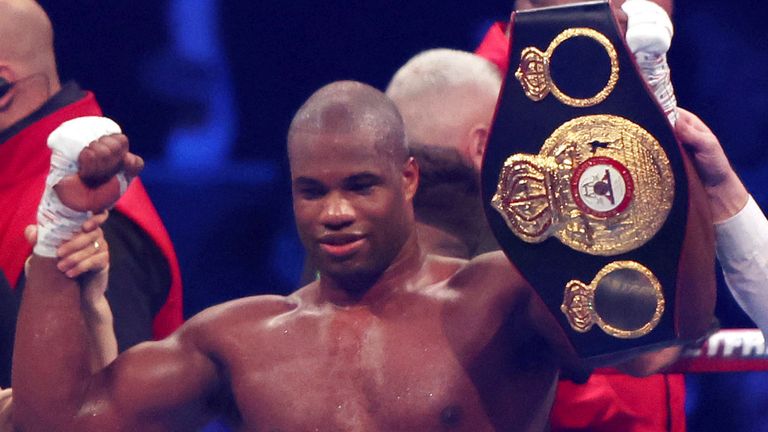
(350, 106)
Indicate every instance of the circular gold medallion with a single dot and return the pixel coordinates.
(613, 187)
(625, 300)
(535, 75)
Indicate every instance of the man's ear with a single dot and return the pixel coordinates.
(7, 73)
(410, 177)
(7, 77)
(478, 140)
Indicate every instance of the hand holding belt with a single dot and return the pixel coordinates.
(589, 193)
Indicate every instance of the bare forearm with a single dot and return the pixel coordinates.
(51, 363)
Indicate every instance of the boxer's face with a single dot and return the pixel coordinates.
(531, 4)
(351, 202)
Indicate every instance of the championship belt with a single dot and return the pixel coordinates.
(589, 193)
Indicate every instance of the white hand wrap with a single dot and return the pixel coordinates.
(649, 36)
(57, 223)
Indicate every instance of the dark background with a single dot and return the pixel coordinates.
(206, 90)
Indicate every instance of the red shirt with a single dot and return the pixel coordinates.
(24, 165)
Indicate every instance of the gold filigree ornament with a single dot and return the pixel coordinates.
(601, 184)
(536, 79)
(625, 300)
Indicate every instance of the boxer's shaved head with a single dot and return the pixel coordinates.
(26, 39)
(353, 182)
(349, 107)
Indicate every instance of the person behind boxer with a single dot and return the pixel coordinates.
(495, 44)
(741, 228)
(447, 99)
(145, 286)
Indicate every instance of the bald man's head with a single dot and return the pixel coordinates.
(447, 98)
(349, 108)
(26, 38)
(27, 59)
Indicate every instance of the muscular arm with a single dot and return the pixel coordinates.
(497, 286)
(151, 387)
(154, 384)
(80, 257)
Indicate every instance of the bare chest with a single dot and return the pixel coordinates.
(358, 373)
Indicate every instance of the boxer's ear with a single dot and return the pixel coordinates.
(410, 177)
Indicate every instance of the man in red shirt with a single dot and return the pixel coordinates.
(145, 283)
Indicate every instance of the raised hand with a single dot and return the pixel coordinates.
(86, 252)
(727, 194)
(90, 170)
(105, 168)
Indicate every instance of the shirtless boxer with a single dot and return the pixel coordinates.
(388, 338)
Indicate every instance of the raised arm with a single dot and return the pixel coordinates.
(87, 255)
(154, 386)
(84, 259)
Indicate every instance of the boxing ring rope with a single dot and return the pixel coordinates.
(730, 350)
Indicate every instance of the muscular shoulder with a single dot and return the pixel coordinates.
(490, 271)
(490, 285)
(248, 313)
(440, 268)
(491, 288)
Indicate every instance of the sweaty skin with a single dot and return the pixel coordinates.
(78, 257)
(388, 339)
